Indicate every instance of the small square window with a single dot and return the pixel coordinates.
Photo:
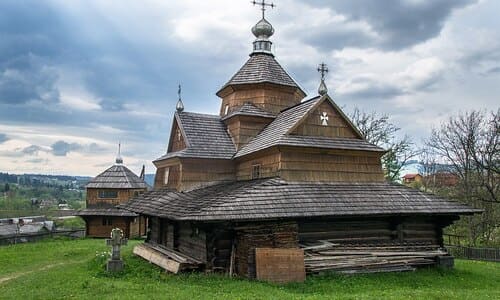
(255, 171)
(108, 194)
(107, 221)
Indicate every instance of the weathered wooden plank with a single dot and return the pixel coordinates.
(280, 265)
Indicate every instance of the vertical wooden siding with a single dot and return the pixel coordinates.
(347, 166)
(269, 97)
(124, 195)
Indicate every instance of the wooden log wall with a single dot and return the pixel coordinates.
(244, 128)
(269, 165)
(201, 172)
(334, 165)
(261, 235)
(124, 195)
(269, 97)
(174, 174)
(95, 228)
(370, 245)
(192, 241)
(375, 231)
(337, 126)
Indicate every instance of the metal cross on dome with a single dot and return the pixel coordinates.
(324, 119)
(323, 69)
(263, 4)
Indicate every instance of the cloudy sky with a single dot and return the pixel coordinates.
(76, 77)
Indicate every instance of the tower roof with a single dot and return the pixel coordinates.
(117, 177)
(261, 68)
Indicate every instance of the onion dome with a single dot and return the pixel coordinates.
(263, 29)
(179, 106)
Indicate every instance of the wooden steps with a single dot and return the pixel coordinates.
(170, 260)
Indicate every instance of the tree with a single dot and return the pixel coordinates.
(6, 187)
(377, 130)
(469, 142)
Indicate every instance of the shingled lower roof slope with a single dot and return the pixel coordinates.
(276, 198)
(261, 68)
(249, 109)
(276, 134)
(206, 137)
(117, 177)
(111, 211)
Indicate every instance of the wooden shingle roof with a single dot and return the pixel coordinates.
(276, 198)
(276, 134)
(117, 177)
(249, 109)
(110, 211)
(206, 137)
(261, 68)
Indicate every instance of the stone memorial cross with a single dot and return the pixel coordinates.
(116, 241)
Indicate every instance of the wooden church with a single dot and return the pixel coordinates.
(114, 186)
(278, 179)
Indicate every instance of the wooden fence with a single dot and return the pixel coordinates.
(488, 254)
(33, 237)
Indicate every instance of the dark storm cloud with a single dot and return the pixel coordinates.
(369, 88)
(3, 138)
(398, 24)
(61, 148)
(494, 70)
(26, 78)
(39, 44)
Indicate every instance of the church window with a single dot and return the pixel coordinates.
(178, 132)
(107, 221)
(255, 171)
(165, 176)
(226, 109)
(108, 194)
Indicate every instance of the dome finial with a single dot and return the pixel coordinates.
(119, 159)
(180, 106)
(262, 30)
(323, 69)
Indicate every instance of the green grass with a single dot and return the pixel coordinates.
(62, 269)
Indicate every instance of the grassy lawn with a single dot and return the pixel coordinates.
(62, 269)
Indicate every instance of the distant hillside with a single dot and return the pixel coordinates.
(44, 180)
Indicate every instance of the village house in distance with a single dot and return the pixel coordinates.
(114, 186)
(276, 183)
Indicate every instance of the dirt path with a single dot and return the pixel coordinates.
(19, 274)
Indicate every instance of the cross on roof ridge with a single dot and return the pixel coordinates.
(263, 5)
(323, 69)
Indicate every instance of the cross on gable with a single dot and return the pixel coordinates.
(263, 5)
(324, 119)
